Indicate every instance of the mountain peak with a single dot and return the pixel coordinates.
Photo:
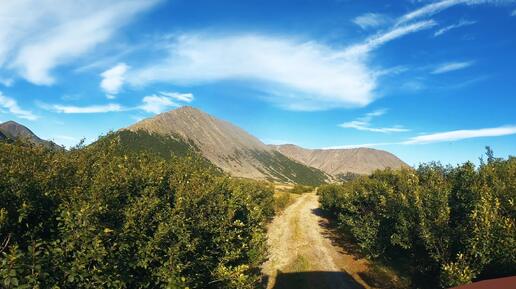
(226, 145)
(13, 130)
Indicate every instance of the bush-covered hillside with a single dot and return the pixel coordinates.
(447, 225)
(103, 217)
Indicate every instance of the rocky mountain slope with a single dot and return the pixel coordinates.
(229, 147)
(342, 161)
(13, 130)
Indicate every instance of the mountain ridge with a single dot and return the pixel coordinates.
(342, 161)
(15, 131)
(229, 147)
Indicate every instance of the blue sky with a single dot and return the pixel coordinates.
(426, 80)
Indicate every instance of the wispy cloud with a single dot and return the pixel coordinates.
(364, 123)
(452, 66)
(436, 7)
(185, 97)
(296, 75)
(69, 109)
(12, 106)
(113, 79)
(57, 33)
(461, 23)
(157, 103)
(291, 73)
(513, 13)
(379, 39)
(448, 136)
(371, 20)
(462, 134)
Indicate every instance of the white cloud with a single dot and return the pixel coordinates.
(461, 23)
(289, 72)
(377, 40)
(452, 66)
(364, 123)
(293, 74)
(436, 7)
(462, 134)
(513, 13)
(69, 109)
(113, 79)
(157, 103)
(448, 136)
(371, 20)
(185, 97)
(38, 35)
(12, 106)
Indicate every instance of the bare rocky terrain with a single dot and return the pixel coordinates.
(342, 161)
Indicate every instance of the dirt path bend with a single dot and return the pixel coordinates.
(302, 257)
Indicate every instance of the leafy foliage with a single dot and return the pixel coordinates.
(105, 216)
(452, 225)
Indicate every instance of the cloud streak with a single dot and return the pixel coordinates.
(70, 109)
(12, 106)
(58, 33)
(462, 23)
(452, 66)
(184, 97)
(447, 136)
(371, 20)
(364, 123)
(436, 7)
(379, 39)
(157, 103)
(461, 135)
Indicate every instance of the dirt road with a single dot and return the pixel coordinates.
(301, 256)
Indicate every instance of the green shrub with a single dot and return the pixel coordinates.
(106, 217)
(452, 225)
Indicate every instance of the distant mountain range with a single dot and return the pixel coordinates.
(188, 130)
(342, 161)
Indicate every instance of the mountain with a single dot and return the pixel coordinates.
(342, 161)
(13, 130)
(229, 147)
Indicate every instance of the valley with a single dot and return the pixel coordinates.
(186, 200)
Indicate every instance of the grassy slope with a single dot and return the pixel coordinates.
(277, 165)
(286, 170)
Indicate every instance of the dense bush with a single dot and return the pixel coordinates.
(451, 225)
(99, 217)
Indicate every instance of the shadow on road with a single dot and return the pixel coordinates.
(315, 280)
